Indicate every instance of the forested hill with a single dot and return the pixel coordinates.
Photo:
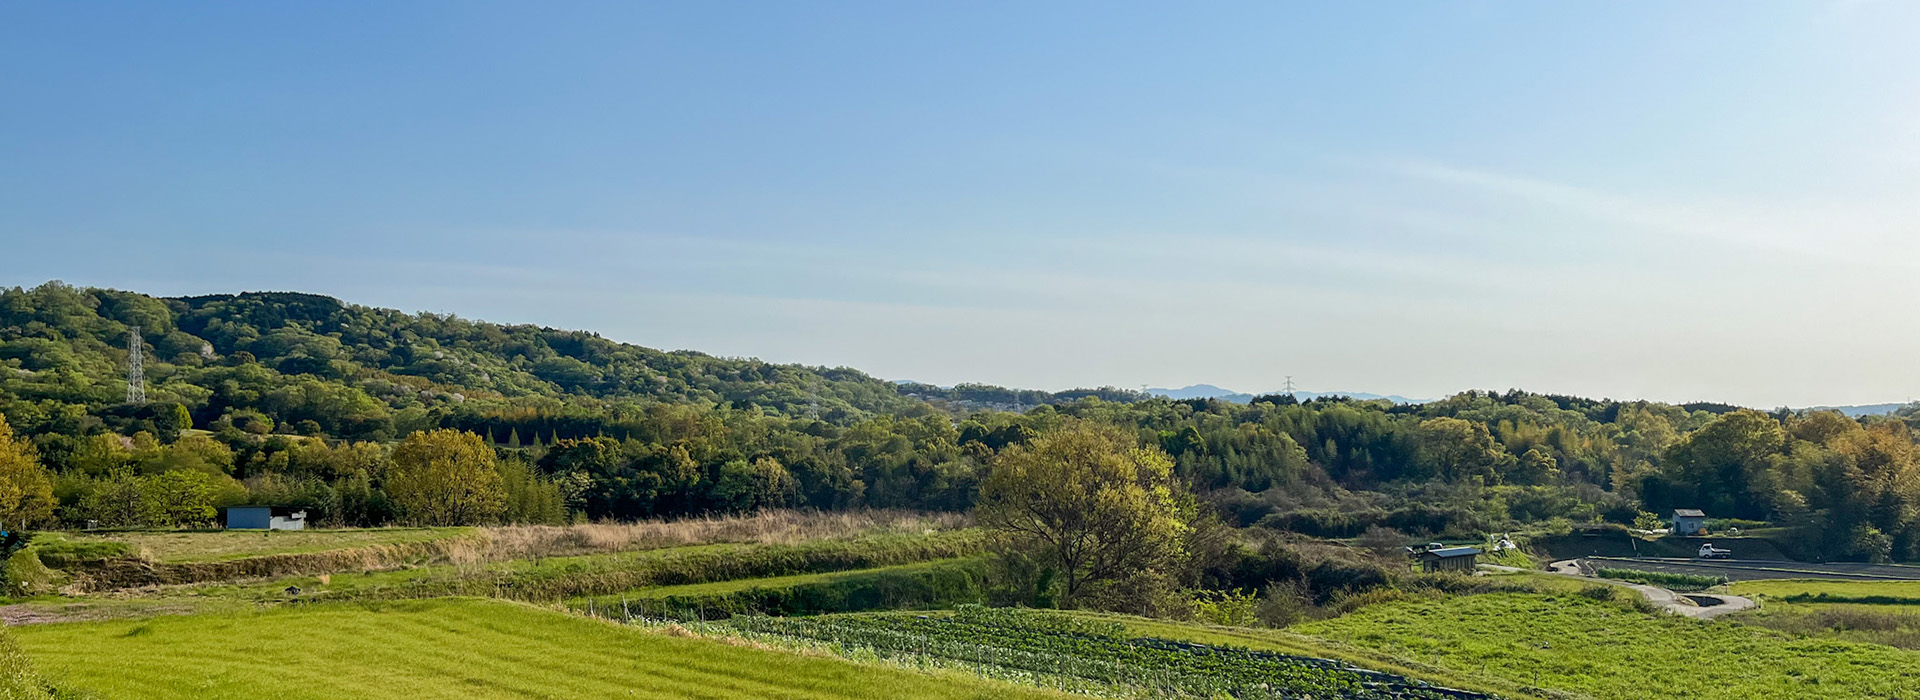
(353, 370)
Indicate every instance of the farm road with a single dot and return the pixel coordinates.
(1667, 600)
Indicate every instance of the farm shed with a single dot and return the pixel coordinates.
(1688, 522)
(1449, 559)
(265, 518)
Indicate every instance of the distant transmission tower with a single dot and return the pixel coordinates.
(813, 399)
(136, 375)
(1289, 385)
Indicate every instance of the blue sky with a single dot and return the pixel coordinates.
(1679, 201)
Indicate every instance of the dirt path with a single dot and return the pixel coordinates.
(1676, 603)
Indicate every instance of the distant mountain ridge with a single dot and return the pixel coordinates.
(1209, 391)
(1876, 409)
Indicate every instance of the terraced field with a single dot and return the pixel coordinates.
(449, 649)
(1090, 655)
(940, 583)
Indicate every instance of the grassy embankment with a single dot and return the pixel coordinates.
(1879, 612)
(451, 649)
(934, 584)
(540, 580)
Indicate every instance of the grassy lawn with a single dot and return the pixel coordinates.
(225, 545)
(452, 649)
(1607, 652)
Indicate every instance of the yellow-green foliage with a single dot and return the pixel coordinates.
(453, 649)
(26, 494)
(1608, 652)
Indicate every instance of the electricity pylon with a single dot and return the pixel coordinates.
(136, 375)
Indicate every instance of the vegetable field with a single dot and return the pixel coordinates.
(1081, 654)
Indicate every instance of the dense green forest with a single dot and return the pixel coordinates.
(304, 400)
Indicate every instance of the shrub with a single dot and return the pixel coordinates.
(17, 679)
(1285, 603)
(1227, 608)
(1678, 582)
(1346, 602)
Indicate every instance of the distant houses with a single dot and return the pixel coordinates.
(1689, 522)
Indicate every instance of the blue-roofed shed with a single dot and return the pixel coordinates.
(1449, 559)
(265, 518)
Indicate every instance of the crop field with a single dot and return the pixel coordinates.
(1607, 652)
(932, 584)
(188, 547)
(448, 649)
(1082, 654)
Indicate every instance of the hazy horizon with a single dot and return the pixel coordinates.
(1703, 202)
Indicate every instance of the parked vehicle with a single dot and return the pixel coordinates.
(1708, 551)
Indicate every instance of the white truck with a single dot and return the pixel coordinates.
(1708, 551)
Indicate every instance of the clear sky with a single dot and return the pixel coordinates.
(1667, 200)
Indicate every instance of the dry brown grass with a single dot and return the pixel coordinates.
(488, 545)
(765, 527)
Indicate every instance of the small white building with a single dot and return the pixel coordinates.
(266, 518)
(1688, 522)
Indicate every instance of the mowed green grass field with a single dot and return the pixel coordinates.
(1841, 589)
(1606, 652)
(457, 648)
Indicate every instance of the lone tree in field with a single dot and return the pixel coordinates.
(1088, 502)
(446, 477)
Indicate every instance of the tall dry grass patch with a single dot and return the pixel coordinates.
(765, 527)
(489, 545)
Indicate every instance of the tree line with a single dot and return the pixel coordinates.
(291, 399)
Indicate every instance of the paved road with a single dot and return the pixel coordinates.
(1677, 603)
(1748, 570)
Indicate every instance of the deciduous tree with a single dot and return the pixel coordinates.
(446, 477)
(26, 494)
(1104, 512)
